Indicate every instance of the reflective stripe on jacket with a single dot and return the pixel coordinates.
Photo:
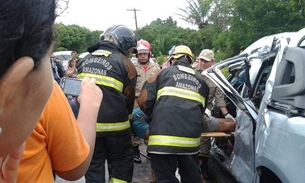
(116, 76)
(104, 80)
(112, 127)
(174, 141)
(175, 103)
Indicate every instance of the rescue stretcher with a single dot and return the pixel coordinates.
(217, 134)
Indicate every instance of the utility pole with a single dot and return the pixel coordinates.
(135, 15)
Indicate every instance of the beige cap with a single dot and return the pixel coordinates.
(207, 55)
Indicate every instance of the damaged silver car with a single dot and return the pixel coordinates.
(266, 92)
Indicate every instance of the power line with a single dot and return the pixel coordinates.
(135, 15)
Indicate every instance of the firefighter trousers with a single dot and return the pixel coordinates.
(118, 152)
(165, 166)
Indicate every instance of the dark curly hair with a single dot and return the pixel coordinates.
(26, 29)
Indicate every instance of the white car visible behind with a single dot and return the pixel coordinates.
(64, 56)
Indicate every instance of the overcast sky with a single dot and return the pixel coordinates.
(101, 14)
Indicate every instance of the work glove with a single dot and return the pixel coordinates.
(207, 112)
(229, 116)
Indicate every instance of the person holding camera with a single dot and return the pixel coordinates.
(32, 106)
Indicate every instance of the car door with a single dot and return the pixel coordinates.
(241, 162)
(247, 98)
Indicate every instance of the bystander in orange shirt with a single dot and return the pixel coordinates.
(55, 143)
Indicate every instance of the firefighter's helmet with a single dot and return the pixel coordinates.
(123, 36)
(102, 36)
(182, 50)
(143, 46)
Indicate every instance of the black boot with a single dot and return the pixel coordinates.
(204, 168)
(136, 154)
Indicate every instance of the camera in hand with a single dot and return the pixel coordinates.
(70, 86)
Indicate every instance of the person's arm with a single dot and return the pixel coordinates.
(130, 85)
(225, 113)
(90, 101)
(140, 128)
(220, 102)
(226, 125)
(9, 165)
(69, 71)
(224, 110)
(212, 124)
(148, 95)
(139, 123)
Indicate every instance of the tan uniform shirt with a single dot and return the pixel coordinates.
(215, 93)
(143, 75)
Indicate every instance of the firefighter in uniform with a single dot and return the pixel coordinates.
(145, 69)
(116, 76)
(175, 101)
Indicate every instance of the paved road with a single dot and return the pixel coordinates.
(142, 172)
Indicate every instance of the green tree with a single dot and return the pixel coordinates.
(220, 13)
(196, 12)
(215, 17)
(164, 34)
(226, 26)
(253, 19)
(74, 37)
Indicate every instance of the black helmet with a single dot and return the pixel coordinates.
(102, 36)
(124, 36)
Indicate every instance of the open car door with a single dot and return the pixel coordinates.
(244, 87)
(240, 161)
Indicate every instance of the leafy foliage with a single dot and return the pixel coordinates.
(163, 35)
(232, 25)
(196, 12)
(225, 26)
(253, 19)
(74, 37)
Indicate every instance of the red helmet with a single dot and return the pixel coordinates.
(143, 46)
